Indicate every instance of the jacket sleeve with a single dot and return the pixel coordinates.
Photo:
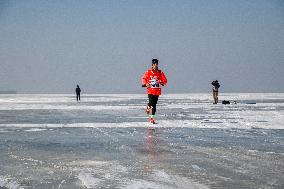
(163, 79)
(145, 78)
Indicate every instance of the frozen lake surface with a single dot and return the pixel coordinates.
(52, 141)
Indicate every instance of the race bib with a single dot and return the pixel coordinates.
(154, 83)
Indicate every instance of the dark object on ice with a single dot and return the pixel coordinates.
(78, 91)
(250, 102)
(225, 102)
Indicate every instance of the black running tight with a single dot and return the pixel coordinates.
(153, 99)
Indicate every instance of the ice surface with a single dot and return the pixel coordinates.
(52, 141)
(180, 110)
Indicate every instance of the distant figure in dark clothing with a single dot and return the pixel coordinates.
(78, 91)
(215, 88)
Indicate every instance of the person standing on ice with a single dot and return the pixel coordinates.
(78, 91)
(215, 89)
(153, 79)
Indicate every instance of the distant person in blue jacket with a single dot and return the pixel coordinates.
(215, 89)
(78, 91)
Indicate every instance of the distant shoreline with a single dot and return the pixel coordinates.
(164, 94)
(8, 92)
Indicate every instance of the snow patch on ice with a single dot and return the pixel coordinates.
(88, 179)
(143, 184)
(35, 129)
(9, 183)
(175, 181)
(26, 159)
(196, 167)
(3, 181)
(161, 175)
(3, 131)
(165, 181)
(95, 173)
(87, 163)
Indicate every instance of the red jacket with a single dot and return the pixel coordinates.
(155, 79)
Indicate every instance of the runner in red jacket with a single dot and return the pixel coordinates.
(153, 79)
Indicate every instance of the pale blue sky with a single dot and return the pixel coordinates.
(105, 46)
